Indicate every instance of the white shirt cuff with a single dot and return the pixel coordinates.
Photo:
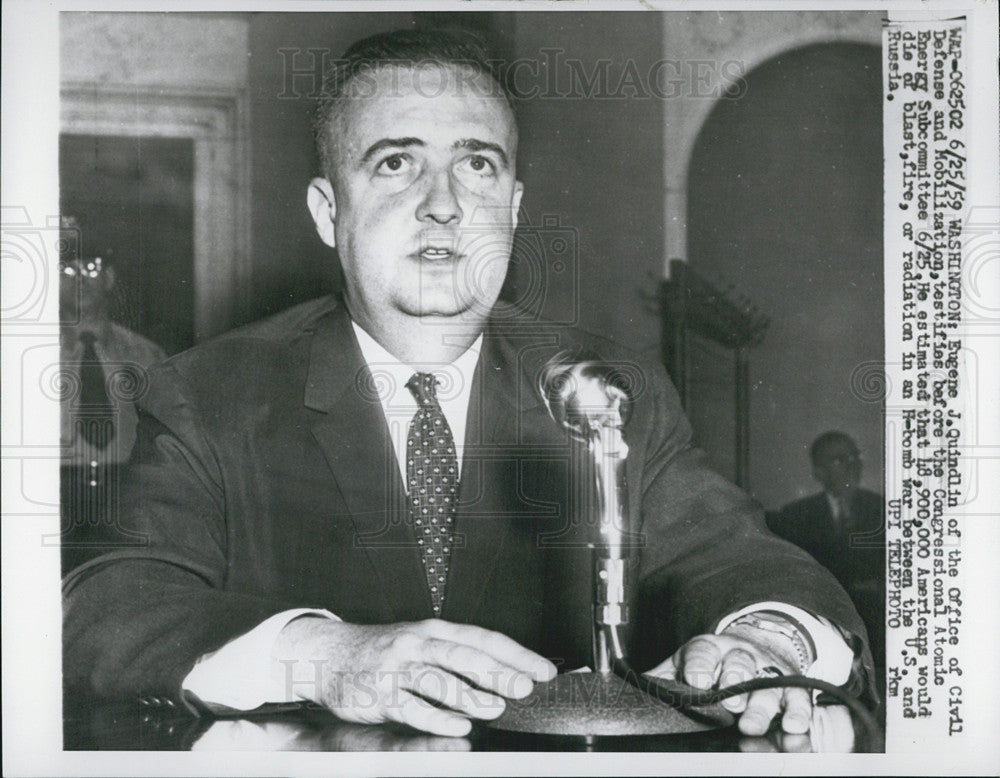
(834, 657)
(240, 675)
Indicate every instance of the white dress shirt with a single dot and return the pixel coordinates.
(242, 674)
(389, 376)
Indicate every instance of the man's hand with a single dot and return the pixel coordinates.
(432, 675)
(831, 732)
(739, 654)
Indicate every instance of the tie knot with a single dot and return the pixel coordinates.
(424, 388)
(88, 338)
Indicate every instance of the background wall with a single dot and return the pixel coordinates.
(785, 201)
(595, 164)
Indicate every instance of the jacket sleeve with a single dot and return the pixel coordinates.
(135, 620)
(706, 549)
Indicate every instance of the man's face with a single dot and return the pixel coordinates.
(838, 467)
(424, 194)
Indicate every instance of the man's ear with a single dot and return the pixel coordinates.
(515, 202)
(323, 208)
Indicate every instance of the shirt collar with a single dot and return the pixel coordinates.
(839, 505)
(390, 374)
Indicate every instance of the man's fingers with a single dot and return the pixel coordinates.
(795, 744)
(757, 745)
(443, 687)
(832, 729)
(420, 714)
(798, 711)
(737, 666)
(700, 658)
(762, 706)
(497, 645)
(709, 661)
(478, 667)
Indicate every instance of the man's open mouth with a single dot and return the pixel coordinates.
(437, 254)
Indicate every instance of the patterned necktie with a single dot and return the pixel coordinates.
(432, 483)
(98, 426)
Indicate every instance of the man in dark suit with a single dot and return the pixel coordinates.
(842, 527)
(104, 367)
(362, 502)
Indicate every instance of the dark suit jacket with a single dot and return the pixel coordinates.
(855, 555)
(852, 555)
(264, 479)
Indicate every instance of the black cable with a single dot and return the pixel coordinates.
(691, 697)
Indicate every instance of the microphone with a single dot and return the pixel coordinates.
(591, 399)
(584, 395)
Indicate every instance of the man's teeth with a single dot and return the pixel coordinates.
(436, 253)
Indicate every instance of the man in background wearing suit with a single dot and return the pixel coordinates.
(362, 502)
(843, 528)
(103, 369)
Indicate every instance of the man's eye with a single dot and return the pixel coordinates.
(479, 165)
(397, 163)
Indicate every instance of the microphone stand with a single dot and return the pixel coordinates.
(591, 401)
(610, 553)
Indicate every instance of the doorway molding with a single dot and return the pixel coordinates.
(215, 121)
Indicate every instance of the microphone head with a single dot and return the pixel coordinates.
(583, 394)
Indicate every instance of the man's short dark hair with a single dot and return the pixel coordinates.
(826, 440)
(405, 48)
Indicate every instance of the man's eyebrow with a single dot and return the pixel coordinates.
(389, 143)
(474, 144)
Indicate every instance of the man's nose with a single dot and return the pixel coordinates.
(439, 203)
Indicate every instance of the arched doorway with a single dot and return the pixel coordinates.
(785, 202)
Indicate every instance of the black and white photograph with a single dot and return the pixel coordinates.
(547, 388)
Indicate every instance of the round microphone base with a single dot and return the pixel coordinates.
(602, 704)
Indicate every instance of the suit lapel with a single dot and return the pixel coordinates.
(354, 438)
(488, 493)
